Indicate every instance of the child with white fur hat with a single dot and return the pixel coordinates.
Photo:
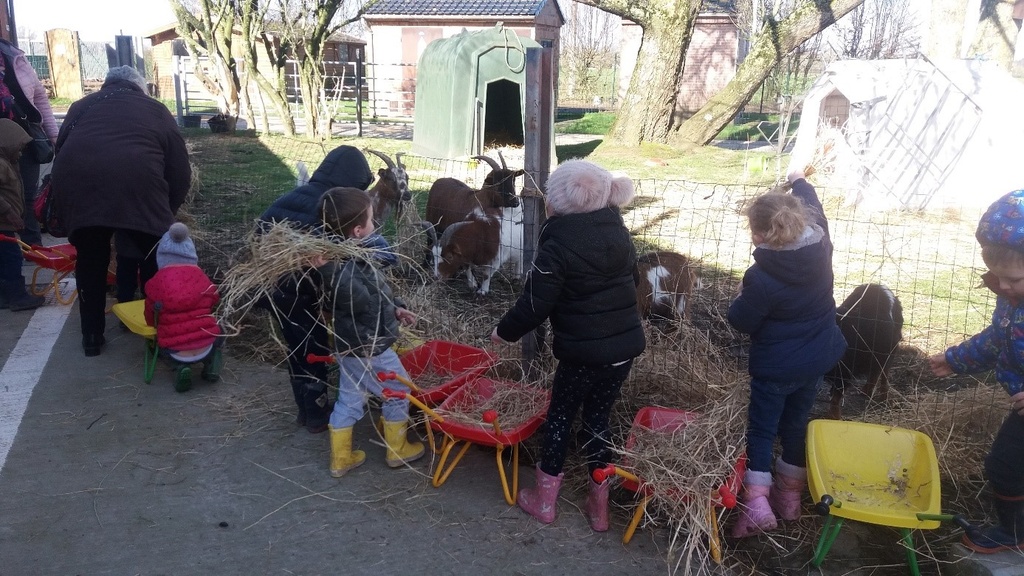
(583, 280)
(179, 301)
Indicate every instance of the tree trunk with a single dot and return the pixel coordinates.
(772, 43)
(654, 87)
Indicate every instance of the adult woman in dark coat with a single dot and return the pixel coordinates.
(121, 165)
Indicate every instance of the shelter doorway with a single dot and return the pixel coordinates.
(503, 116)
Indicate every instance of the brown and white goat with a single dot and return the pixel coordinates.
(481, 243)
(450, 200)
(391, 189)
(871, 319)
(667, 282)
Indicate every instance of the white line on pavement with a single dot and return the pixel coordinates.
(24, 366)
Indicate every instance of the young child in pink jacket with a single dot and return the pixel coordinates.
(179, 301)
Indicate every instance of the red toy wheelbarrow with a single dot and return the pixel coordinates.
(497, 427)
(60, 258)
(668, 421)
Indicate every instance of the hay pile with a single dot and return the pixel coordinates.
(514, 405)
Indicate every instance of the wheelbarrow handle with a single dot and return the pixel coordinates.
(325, 358)
(955, 518)
(602, 474)
(491, 417)
(824, 507)
(400, 395)
(385, 376)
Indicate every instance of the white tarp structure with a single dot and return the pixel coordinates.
(919, 134)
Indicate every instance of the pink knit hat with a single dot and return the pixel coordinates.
(578, 186)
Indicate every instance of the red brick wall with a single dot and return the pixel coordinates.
(710, 61)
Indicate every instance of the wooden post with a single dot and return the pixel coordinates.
(63, 51)
(359, 92)
(537, 132)
(179, 94)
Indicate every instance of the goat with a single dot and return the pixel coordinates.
(483, 242)
(871, 319)
(450, 200)
(667, 280)
(391, 189)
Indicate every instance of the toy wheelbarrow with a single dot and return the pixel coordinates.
(60, 258)
(487, 432)
(895, 483)
(668, 421)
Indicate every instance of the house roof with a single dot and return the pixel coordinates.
(458, 7)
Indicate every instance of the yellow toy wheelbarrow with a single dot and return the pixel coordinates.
(894, 483)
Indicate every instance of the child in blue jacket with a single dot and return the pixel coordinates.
(787, 308)
(1000, 347)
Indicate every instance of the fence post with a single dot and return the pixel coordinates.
(178, 92)
(359, 92)
(537, 132)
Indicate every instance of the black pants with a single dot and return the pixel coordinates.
(29, 171)
(1004, 464)
(595, 389)
(296, 310)
(93, 246)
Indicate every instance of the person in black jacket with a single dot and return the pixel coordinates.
(295, 302)
(584, 280)
(121, 166)
(787, 307)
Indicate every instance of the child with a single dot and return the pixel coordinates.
(366, 318)
(179, 302)
(787, 308)
(1000, 347)
(12, 284)
(295, 300)
(583, 281)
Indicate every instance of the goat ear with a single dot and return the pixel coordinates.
(382, 171)
(519, 173)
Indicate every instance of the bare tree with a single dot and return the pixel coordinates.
(877, 29)
(667, 29)
(588, 47)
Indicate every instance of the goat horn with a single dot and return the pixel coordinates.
(502, 158)
(398, 160)
(489, 160)
(383, 157)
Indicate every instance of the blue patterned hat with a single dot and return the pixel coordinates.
(1003, 222)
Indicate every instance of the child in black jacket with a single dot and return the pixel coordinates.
(583, 280)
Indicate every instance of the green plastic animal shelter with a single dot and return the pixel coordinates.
(471, 93)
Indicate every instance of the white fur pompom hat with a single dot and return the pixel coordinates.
(175, 247)
(578, 187)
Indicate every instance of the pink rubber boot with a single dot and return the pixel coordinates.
(788, 490)
(540, 500)
(756, 514)
(597, 506)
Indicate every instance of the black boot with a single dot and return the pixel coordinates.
(1007, 535)
(92, 343)
(314, 405)
(16, 297)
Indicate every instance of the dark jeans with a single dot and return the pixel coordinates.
(93, 246)
(779, 409)
(296, 310)
(1004, 464)
(30, 234)
(595, 389)
(11, 260)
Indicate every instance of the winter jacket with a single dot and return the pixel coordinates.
(583, 279)
(27, 89)
(786, 304)
(186, 298)
(12, 198)
(345, 166)
(1000, 346)
(121, 162)
(363, 307)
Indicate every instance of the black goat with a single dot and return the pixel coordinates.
(871, 319)
(391, 190)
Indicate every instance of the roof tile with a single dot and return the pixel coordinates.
(457, 7)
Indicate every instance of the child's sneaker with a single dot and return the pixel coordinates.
(183, 378)
(212, 365)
